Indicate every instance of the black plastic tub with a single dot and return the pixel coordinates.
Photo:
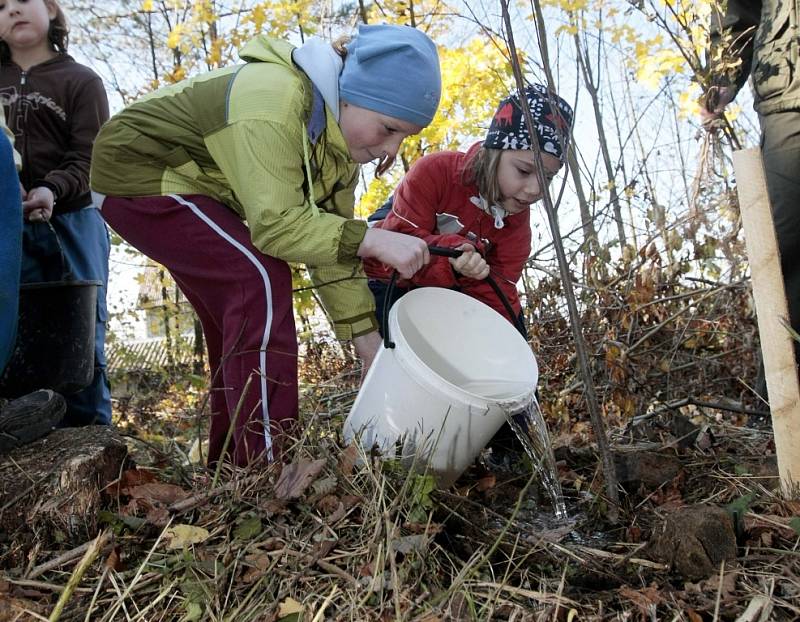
(54, 348)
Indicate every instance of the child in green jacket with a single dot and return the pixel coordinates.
(225, 177)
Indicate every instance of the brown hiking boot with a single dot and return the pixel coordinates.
(30, 417)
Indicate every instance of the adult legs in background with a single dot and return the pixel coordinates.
(84, 240)
(781, 154)
(244, 301)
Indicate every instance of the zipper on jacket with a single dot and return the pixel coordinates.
(19, 120)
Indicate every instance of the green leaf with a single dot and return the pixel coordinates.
(795, 524)
(421, 490)
(194, 611)
(248, 529)
(739, 506)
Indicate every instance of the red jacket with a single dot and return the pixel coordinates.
(433, 189)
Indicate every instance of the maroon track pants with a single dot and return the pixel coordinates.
(244, 301)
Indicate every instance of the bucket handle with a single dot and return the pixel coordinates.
(443, 251)
(66, 271)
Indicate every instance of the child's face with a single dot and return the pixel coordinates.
(518, 181)
(24, 23)
(371, 135)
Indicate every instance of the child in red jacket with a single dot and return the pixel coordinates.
(478, 202)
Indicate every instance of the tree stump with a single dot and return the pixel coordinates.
(55, 483)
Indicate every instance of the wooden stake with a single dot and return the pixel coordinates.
(776, 342)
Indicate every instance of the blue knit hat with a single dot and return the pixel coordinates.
(393, 70)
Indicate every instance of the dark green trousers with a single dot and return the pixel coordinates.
(780, 143)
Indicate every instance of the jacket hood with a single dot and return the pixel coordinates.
(267, 49)
(322, 65)
(316, 58)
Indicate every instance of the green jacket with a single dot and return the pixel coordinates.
(765, 35)
(238, 135)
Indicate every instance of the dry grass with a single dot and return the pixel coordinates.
(365, 540)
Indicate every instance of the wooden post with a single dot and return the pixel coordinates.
(770, 298)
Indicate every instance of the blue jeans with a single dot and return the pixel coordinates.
(86, 246)
(10, 250)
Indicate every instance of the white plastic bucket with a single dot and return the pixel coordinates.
(442, 392)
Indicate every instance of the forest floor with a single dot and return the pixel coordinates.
(701, 533)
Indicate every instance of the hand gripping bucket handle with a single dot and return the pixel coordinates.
(443, 251)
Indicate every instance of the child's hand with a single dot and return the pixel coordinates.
(366, 348)
(471, 264)
(38, 206)
(404, 253)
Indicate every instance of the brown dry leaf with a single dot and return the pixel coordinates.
(323, 548)
(295, 478)
(12, 609)
(426, 528)
(273, 506)
(135, 477)
(757, 524)
(792, 507)
(337, 515)
(158, 516)
(711, 585)
(114, 560)
(259, 561)
(328, 504)
(694, 616)
(486, 483)
(633, 534)
(348, 459)
(272, 544)
(350, 501)
(669, 498)
(646, 599)
(157, 492)
(367, 570)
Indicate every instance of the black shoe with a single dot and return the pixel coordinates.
(30, 417)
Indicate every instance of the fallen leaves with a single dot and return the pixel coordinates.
(645, 599)
(182, 536)
(295, 478)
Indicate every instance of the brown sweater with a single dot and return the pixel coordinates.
(55, 110)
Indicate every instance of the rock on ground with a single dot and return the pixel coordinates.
(694, 541)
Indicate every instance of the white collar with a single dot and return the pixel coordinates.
(495, 211)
